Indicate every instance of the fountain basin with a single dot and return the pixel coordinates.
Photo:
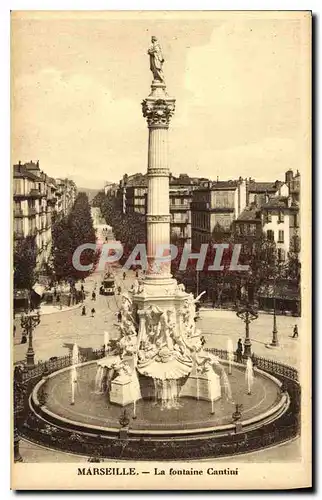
(95, 414)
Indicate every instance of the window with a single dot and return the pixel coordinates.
(296, 220)
(280, 216)
(268, 217)
(270, 235)
(281, 254)
(281, 236)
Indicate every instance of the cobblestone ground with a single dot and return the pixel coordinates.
(60, 329)
(218, 326)
(57, 331)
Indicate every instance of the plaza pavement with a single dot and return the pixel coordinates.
(69, 326)
(59, 330)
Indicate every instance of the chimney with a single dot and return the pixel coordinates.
(266, 197)
(217, 178)
(289, 176)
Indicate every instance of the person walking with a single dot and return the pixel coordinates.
(295, 332)
(239, 351)
(124, 275)
(119, 289)
(93, 312)
(83, 311)
(119, 316)
(94, 296)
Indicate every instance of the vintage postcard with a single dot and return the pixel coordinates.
(161, 232)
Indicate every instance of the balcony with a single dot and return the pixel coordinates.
(33, 193)
(178, 208)
(52, 201)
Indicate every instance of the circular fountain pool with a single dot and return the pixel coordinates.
(92, 412)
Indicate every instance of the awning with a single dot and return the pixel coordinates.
(39, 289)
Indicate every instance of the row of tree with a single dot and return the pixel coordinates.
(129, 228)
(68, 233)
(230, 286)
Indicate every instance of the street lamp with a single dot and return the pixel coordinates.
(274, 342)
(29, 323)
(247, 314)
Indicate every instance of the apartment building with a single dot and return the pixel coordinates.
(281, 223)
(34, 201)
(36, 196)
(132, 196)
(216, 204)
(66, 195)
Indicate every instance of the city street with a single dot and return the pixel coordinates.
(57, 331)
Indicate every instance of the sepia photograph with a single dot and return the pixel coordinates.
(161, 249)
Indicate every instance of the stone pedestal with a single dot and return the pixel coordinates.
(124, 390)
(124, 431)
(200, 387)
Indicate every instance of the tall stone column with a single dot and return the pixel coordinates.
(158, 109)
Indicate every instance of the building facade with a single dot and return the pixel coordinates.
(132, 198)
(66, 195)
(36, 197)
(216, 205)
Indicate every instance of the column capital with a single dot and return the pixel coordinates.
(158, 111)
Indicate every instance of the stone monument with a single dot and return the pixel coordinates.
(159, 339)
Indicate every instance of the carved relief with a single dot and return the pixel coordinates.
(158, 112)
(158, 172)
(158, 218)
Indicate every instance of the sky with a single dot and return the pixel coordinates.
(241, 84)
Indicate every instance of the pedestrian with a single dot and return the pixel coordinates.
(93, 312)
(14, 330)
(119, 316)
(136, 273)
(295, 332)
(94, 296)
(239, 351)
(83, 311)
(82, 288)
(124, 275)
(119, 289)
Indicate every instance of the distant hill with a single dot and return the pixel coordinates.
(91, 193)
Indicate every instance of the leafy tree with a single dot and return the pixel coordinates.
(68, 234)
(25, 258)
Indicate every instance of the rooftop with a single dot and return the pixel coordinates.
(279, 202)
(21, 172)
(249, 214)
(263, 187)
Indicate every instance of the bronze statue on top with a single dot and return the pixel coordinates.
(156, 60)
